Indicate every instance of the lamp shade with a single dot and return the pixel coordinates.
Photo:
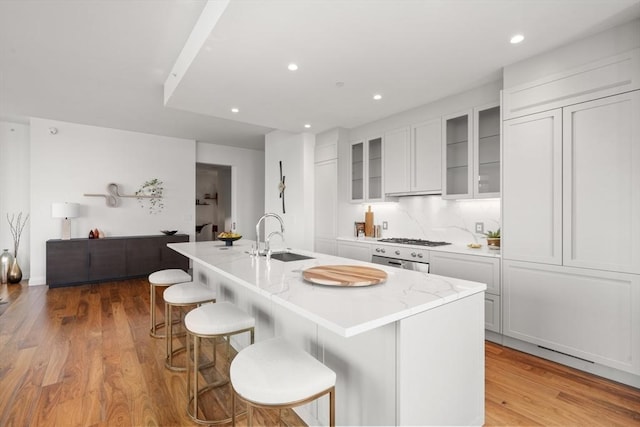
(65, 210)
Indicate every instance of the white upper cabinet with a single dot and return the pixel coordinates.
(486, 152)
(601, 177)
(532, 193)
(572, 185)
(471, 153)
(366, 164)
(457, 156)
(412, 159)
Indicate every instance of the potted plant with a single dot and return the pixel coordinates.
(493, 239)
(152, 191)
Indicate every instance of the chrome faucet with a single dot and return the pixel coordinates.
(266, 242)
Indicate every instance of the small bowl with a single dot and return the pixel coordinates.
(228, 241)
(169, 232)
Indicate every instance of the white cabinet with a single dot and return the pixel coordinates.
(475, 268)
(366, 164)
(360, 251)
(413, 159)
(532, 188)
(601, 184)
(589, 314)
(571, 185)
(471, 153)
(457, 156)
(326, 203)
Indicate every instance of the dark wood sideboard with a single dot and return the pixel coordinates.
(80, 261)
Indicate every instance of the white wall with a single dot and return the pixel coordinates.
(426, 217)
(84, 159)
(296, 153)
(247, 183)
(14, 187)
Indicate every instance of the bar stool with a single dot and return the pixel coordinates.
(211, 321)
(181, 295)
(275, 374)
(165, 278)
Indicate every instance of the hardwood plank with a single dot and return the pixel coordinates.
(83, 356)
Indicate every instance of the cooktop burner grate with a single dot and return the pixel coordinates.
(417, 242)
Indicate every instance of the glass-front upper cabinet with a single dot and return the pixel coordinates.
(471, 153)
(487, 151)
(374, 184)
(357, 171)
(457, 156)
(366, 170)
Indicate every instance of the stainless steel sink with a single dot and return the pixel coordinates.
(289, 256)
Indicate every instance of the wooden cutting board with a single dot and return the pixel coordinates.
(344, 275)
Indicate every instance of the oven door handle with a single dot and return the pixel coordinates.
(398, 263)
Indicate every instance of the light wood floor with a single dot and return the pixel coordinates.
(83, 356)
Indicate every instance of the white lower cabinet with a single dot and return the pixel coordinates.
(478, 269)
(588, 314)
(360, 251)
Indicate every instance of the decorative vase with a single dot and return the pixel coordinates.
(6, 260)
(14, 274)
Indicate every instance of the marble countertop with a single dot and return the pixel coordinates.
(346, 311)
(453, 248)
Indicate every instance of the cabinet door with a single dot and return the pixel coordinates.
(374, 169)
(486, 153)
(457, 154)
(326, 199)
(143, 256)
(170, 258)
(396, 161)
(601, 142)
(107, 259)
(426, 158)
(357, 171)
(532, 188)
(590, 314)
(67, 262)
(492, 313)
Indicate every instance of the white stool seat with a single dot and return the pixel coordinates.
(188, 293)
(211, 321)
(169, 276)
(162, 278)
(182, 295)
(274, 372)
(217, 319)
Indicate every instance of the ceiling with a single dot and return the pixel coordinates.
(106, 62)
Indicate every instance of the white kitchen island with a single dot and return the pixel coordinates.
(409, 351)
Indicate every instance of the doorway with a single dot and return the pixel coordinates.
(213, 200)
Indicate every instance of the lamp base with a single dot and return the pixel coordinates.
(66, 229)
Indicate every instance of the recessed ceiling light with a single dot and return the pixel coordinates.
(235, 110)
(307, 125)
(292, 67)
(517, 39)
(377, 97)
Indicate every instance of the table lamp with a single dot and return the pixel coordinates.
(65, 210)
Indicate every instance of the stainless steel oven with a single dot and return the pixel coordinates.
(401, 257)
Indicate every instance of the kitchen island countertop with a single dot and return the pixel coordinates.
(346, 311)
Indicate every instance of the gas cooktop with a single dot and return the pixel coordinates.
(417, 242)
